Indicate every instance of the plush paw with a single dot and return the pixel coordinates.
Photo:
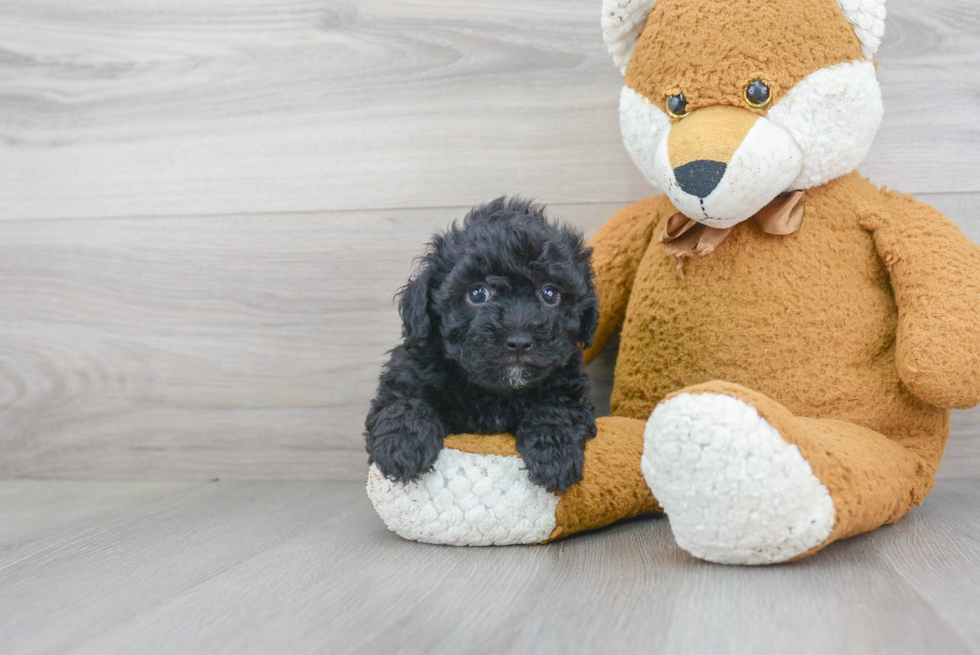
(467, 499)
(734, 490)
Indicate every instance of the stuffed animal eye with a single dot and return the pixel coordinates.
(757, 94)
(677, 106)
(478, 295)
(550, 295)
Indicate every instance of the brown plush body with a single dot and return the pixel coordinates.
(808, 319)
(810, 322)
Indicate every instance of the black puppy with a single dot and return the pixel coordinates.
(493, 326)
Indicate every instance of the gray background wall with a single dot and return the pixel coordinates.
(205, 206)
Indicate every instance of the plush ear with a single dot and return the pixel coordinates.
(413, 307)
(868, 19)
(622, 23)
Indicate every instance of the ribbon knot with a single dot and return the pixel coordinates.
(683, 237)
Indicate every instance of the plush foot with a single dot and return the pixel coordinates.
(467, 499)
(479, 492)
(734, 490)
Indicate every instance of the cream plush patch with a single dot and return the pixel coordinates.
(735, 492)
(764, 166)
(466, 500)
(643, 125)
(868, 19)
(833, 115)
(622, 23)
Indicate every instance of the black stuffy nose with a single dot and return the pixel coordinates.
(519, 342)
(701, 177)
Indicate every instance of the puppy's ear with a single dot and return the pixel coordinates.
(413, 307)
(588, 323)
(589, 320)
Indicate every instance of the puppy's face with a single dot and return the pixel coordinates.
(510, 295)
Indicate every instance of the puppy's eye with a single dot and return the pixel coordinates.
(550, 295)
(478, 295)
(677, 106)
(757, 94)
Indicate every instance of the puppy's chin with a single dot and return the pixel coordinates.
(514, 377)
(508, 378)
(518, 377)
(501, 372)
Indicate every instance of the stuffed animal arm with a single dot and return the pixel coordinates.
(617, 249)
(935, 274)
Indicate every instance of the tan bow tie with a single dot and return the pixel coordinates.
(683, 237)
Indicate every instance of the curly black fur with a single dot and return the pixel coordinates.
(460, 367)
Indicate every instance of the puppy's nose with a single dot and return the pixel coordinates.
(519, 342)
(701, 177)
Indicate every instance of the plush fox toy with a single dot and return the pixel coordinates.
(792, 337)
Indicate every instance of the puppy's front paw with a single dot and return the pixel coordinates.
(405, 454)
(553, 456)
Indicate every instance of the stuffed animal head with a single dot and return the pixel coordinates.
(729, 103)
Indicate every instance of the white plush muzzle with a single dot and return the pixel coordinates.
(764, 166)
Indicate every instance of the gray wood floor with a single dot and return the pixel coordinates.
(248, 567)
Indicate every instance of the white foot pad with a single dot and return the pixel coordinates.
(735, 492)
(466, 500)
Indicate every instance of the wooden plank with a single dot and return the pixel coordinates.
(961, 208)
(146, 553)
(962, 459)
(937, 553)
(114, 108)
(321, 574)
(244, 346)
(37, 514)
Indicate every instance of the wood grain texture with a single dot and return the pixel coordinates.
(38, 515)
(196, 255)
(307, 567)
(114, 108)
(940, 546)
(128, 560)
